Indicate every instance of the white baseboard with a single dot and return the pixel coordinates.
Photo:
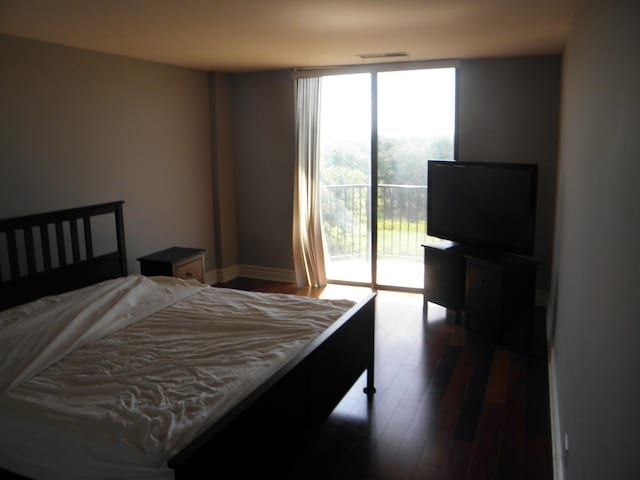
(556, 429)
(222, 275)
(267, 273)
(210, 277)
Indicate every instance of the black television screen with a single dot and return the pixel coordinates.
(490, 206)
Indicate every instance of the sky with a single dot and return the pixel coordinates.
(410, 103)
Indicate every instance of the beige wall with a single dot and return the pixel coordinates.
(264, 159)
(596, 254)
(509, 113)
(80, 127)
(224, 203)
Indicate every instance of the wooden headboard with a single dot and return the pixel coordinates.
(31, 266)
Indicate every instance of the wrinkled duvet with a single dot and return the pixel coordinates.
(112, 380)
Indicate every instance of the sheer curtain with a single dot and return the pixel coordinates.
(308, 253)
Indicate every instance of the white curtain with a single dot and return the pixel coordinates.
(308, 254)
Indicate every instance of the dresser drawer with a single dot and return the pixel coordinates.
(484, 288)
(500, 291)
(189, 270)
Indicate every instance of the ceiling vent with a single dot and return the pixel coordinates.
(383, 56)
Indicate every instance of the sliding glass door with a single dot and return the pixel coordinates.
(377, 132)
(345, 176)
(416, 122)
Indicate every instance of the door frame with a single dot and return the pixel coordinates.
(373, 71)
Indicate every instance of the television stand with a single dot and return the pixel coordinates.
(444, 274)
(500, 292)
(495, 291)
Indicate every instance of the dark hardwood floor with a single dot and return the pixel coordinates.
(450, 403)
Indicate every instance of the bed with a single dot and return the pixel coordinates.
(269, 409)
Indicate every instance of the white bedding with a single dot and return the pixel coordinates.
(121, 404)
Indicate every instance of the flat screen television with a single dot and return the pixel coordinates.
(489, 207)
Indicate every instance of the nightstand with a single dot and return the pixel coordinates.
(178, 262)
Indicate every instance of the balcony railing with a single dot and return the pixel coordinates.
(346, 217)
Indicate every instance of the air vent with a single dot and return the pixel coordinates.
(383, 56)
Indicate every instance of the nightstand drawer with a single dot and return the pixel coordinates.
(181, 262)
(189, 270)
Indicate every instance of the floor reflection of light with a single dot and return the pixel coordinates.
(398, 323)
(334, 291)
(436, 313)
(354, 407)
(390, 272)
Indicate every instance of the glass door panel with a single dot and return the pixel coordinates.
(345, 176)
(416, 123)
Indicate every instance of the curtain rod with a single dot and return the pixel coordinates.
(306, 72)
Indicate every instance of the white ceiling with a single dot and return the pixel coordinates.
(246, 35)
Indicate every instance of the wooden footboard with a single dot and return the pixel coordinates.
(273, 422)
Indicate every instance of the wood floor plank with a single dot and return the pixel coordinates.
(450, 404)
(486, 447)
(511, 462)
(458, 461)
(426, 443)
(498, 378)
(409, 453)
(450, 410)
(388, 457)
(538, 455)
(482, 352)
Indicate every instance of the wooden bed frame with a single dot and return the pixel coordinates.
(270, 424)
(29, 239)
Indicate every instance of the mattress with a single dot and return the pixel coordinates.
(117, 398)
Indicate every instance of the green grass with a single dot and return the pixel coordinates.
(398, 239)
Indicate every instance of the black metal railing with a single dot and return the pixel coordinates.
(346, 219)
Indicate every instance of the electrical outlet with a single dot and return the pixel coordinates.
(565, 447)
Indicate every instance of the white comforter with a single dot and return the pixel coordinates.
(120, 404)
